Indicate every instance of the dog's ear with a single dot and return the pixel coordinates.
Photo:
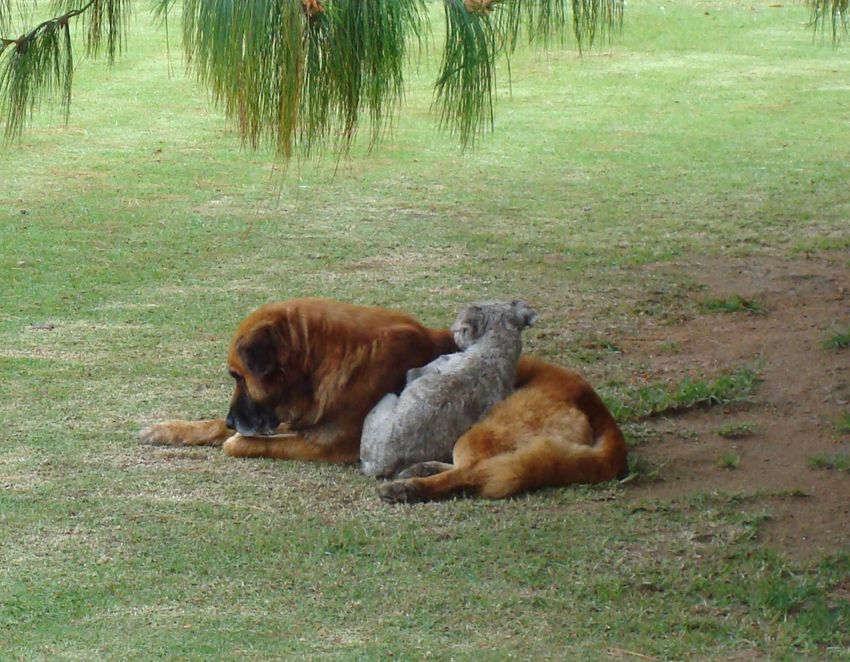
(259, 351)
(523, 314)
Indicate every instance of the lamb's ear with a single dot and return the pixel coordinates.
(524, 314)
(468, 325)
(475, 319)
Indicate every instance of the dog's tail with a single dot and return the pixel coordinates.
(550, 461)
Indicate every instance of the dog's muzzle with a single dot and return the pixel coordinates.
(256, 423)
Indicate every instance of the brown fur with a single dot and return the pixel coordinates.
(313, 368)
(553, 431)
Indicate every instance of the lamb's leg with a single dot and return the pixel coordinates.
(456, 480)
(377, 429)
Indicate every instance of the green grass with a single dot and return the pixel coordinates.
(837, 340)
(729, 460)
(734, 304)
(142, 234)
(734, 430)
(642, 402)
(641, 471)
(837, 462)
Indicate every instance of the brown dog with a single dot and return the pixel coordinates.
(307, 372)
(553, 431)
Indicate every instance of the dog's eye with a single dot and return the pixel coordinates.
(236, 376)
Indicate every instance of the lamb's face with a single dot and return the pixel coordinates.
(475, 321)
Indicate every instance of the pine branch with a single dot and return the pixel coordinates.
(478, 32)
(44, 26)
(593, 18)
(6, 12)
(832, 15)
(463, 93)
(302, 74)
(39, 65)
(5, 17)
(35, 66)
(307, 74)
(106, 25)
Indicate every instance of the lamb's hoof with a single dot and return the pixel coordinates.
(424, 470)
(398, 491)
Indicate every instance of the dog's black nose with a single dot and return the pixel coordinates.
(229, 422)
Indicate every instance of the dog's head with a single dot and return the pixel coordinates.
(272, 384)
(301, 362)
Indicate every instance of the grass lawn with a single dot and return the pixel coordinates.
(134, 240)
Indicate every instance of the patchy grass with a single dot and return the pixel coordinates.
(135, 239)
(736, 430)
(641, 471)
(728, 460)
(837, 462)
(734, 304)
(668, 347)
(837, 340)
(842, 423)
(660, 399)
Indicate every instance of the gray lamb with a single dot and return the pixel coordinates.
(445, 398)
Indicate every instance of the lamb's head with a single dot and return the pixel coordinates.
(475, 321)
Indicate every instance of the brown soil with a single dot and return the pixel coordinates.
(794, 414)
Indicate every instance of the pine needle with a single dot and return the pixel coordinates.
(38, 66)
(464, 89)
(305, 75)
(830, 15)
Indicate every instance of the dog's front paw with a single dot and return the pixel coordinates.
(398, 491)
(186, 433)
(163, 434)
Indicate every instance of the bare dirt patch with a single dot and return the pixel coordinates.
(794, 415)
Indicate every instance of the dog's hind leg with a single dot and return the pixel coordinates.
(425, 469)
(186, 433)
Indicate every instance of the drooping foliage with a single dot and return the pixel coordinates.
(302, 75)
(831, 16)
(300, 72)
(306, 75)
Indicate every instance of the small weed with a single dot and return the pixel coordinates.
(734, 430)
(837, 340)
(734, 304)
(668, 302)
(729, 460)
(668, 347)
(637, 433)
(611, 347)
(597, 343)
(824, 461)
(842, 424)
(641, 472)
